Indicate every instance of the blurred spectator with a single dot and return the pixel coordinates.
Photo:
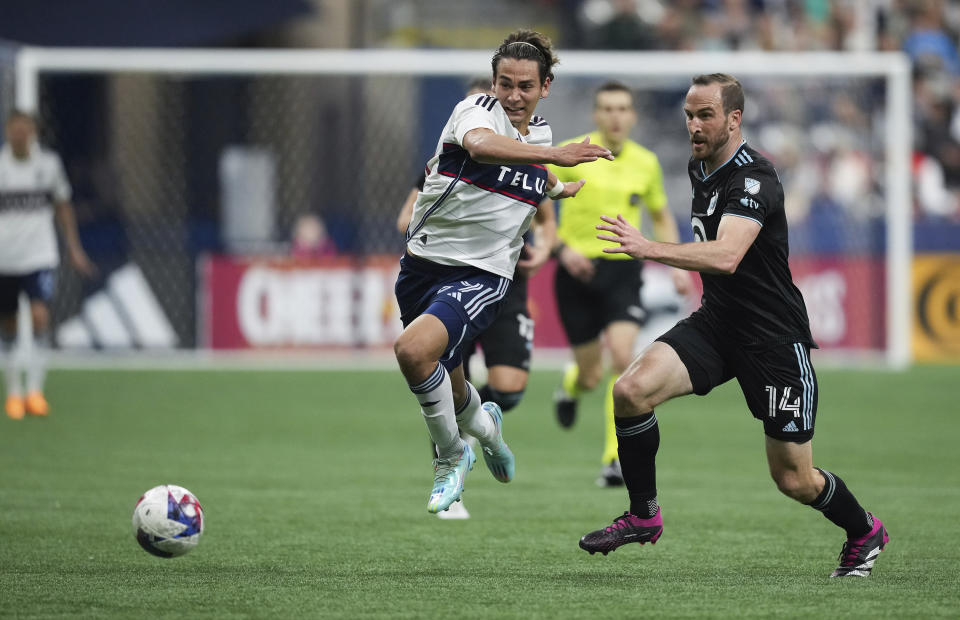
(681, 27)
(955, 122)
(933, 198)
(935, 109)
(928, 43)
(621, 26)
(310, 238)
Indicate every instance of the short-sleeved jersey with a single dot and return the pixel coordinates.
(759, 303)
(471, 213)
(633, 179)
(29, 188)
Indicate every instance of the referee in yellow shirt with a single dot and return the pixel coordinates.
(598, 295)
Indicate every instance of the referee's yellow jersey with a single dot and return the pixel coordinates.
(631, 180)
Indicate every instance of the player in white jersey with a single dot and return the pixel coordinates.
(482, 188)
(508, 342)
(34, 191)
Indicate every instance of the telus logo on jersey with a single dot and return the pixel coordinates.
(522, 180)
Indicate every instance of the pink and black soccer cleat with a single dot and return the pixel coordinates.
(859, 554)
(627, 528)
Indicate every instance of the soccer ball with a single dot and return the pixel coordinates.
(168, 521)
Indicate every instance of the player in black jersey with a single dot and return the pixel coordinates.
(752, 325)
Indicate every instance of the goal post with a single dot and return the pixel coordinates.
(386, 82)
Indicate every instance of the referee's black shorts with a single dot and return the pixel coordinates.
(777, 380)
(586, 308)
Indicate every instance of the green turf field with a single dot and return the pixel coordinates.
(314, 486)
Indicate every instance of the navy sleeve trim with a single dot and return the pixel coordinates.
(485, 101)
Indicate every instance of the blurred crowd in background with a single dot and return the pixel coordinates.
(146, 153)
(927, 30)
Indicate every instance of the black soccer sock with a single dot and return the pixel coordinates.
(638, 440)
(506, 400)
(838, 504)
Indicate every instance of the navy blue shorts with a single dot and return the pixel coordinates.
(465, 299)
(37, 285)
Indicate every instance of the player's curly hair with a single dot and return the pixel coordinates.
(528, 45)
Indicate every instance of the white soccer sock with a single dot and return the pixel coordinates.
(436, 404)
(474, 421)
(37, 362)
(11, 370)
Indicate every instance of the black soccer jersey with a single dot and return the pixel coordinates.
(759, 303)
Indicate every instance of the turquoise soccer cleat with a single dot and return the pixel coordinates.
(448, 478)
(497, 455)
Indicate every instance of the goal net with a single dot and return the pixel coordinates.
(200, 178)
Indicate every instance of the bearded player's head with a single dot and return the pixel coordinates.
(714, 110)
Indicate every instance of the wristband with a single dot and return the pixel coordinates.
(555, 253)
(556, 190)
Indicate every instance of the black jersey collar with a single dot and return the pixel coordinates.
(705, 177)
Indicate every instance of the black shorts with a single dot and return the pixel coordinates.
(37, 285)
(509, 339)
(778, 380)
(586, 308)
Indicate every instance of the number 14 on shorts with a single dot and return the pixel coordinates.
(785, 403)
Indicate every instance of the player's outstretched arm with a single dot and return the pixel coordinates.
(565, 190)
(574, 153)
(489, 147)
(722, 256)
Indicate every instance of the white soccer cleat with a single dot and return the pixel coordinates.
(448, 478)
(497, 454)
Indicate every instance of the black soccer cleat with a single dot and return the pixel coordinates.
(859, 554)
(565, 408)
(627, 528)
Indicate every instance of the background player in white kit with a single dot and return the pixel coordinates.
(482, 188)
(34, 191)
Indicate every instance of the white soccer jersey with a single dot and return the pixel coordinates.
(470, 213)
(28, 190)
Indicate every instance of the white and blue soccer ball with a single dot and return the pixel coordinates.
(168, 521)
